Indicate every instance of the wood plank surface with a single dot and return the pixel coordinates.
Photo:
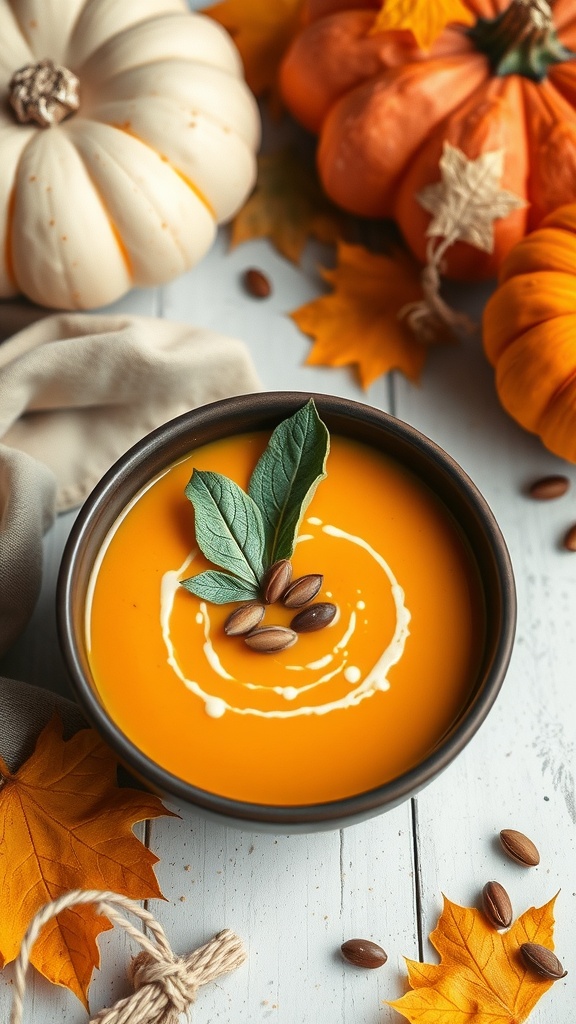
(294, 899)
(518, 772)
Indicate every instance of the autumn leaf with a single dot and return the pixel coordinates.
(482, 978)
(287, 206)
(65, 824)
(426, 19)
(262, 30)
(359, 323)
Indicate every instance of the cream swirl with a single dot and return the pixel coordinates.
(336, 661)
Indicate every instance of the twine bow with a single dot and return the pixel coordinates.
(165, 984)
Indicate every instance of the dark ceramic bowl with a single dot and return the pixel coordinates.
(264, 411)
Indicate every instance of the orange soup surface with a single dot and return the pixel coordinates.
(345, 709)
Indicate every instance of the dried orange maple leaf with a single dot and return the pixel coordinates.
(65, 824)
(287, 206)
(426, 19)
(482, 978)
(262, 30)
(359, 323)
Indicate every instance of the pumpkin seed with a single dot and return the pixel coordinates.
(245, 618)
(276, 579)
(548, 487)
(315, 616)
(257, 284)
(496, 905)
(542, 960)
(302, 590)
(363, 953)
(519, 847)
(269, 639)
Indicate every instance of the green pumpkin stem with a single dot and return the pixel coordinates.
(521, 41)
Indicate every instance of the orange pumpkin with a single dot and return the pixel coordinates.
(382, 110)
(530, 332)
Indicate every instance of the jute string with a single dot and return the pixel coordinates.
(431, 319)
(165, 984)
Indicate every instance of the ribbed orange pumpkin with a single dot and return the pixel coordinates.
(383, 108)
(530, 332)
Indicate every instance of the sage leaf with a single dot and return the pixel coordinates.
(229, 526)
(287, 475)
(219, 587)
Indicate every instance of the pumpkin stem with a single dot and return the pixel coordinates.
(521, 41)
(43, 92)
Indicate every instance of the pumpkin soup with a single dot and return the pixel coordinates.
(343, 709)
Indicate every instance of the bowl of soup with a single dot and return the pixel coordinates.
(217, 697)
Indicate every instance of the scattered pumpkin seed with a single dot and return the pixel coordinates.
(542, 960)
(363, 953)
(496, 905)
(548, 487)
(519, 847)
(257, 284)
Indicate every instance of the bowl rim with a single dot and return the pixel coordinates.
(236, 412)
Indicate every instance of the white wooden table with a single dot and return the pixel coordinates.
(295, 899)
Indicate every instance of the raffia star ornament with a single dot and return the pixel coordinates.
(464, 205)
(468, 198)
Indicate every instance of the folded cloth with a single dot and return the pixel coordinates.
(76, 391)
(27, 503)
(24, 711)
(16, 314)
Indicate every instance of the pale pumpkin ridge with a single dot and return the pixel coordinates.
(193, 188)
(20, 28)
(8, 261)
(122, 248)
(66, 271)
(113, 227)
(126, 128)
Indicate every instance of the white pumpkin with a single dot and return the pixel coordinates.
(128, 189)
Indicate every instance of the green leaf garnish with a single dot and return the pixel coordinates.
(286, 477)
(220, 587)
(243, 533)
(229, 527)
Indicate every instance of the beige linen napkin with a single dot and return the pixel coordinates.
(24, 711)
(76, 391)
